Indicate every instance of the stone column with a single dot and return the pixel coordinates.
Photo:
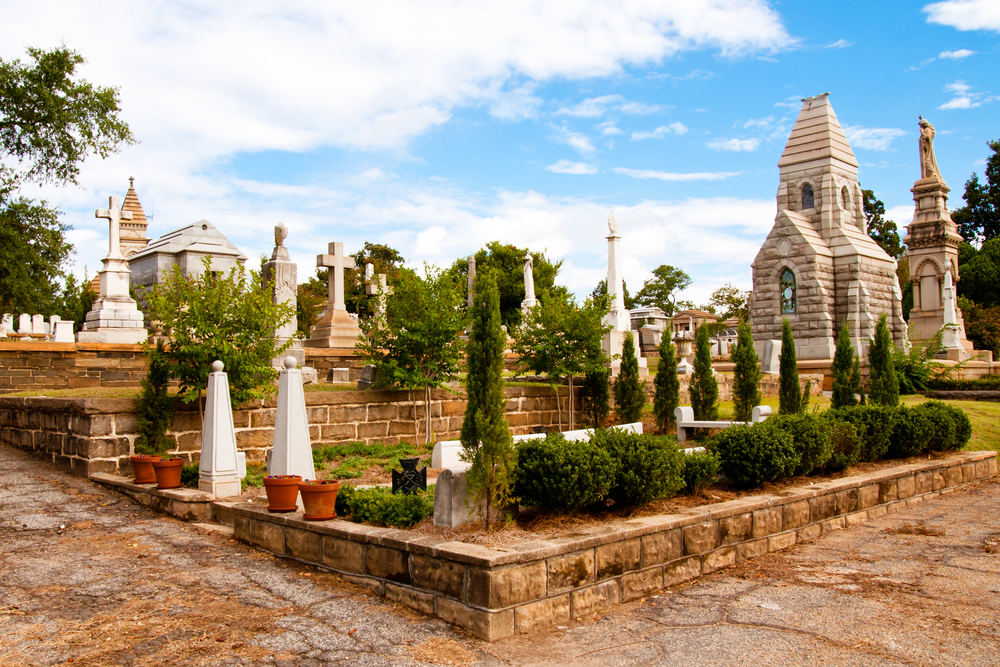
(291, 450)
(618, 317)
(529, 285)
(218, 469)
(281, 274)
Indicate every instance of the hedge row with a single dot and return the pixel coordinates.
(988, 383)
(800, 444)
(378, 505)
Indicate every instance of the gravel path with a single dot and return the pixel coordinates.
(89, 578)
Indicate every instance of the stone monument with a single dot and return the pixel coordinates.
(529, 285)
(291, 449)
(114, 317)
(818, 267)
(618, 317)
(281, 273)
(472, 280)
(376, 285)
(218, 469)
(336, 329)
(932, 241)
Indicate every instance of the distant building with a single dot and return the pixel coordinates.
(649, 316)
(184, 247)
(690, 320)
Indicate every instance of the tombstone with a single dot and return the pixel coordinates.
(450, 494)
(951, 340)
(409, 480)
(38, 325)
(218, 470)
(529, 285)
(771, 362)
(114, 317)
(367, 377)
(336, 329)
(618, 317)
(340, 375)
(291, 449)
(280, 274)
(62, 331)
(24, 324)
(7, 322)
(377, 286)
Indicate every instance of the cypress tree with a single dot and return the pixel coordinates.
(789, 391)
(630, 395)
(746, 374)
(485, 433)
(597, 395)
(668, 387)
(704, 390)
(883, 386)
(842, 371)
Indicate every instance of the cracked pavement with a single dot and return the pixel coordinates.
(87, 577)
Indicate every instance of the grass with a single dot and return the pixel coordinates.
(353, 459)
(255, 476)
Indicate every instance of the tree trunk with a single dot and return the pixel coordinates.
(427, 414)
(572, 421)
(416, 420)
(558, 407)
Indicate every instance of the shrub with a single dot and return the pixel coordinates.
(378, 505)
(990, 382)
(845, 445)
(911, 432)
(190, 474)
(883, 385)
(700, 470)
(597, 395)
(668, 387)
(746, 375)
(703, 387)
(944, 433)
(789, 391)
(630, 395)
(562, 475)
(750, 455)
(647, 468)
(844, 391)
(874, 424)
(154, 409)
(963, 425)
(811, 437)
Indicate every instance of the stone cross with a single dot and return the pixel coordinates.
(335, 262)
(114, 215)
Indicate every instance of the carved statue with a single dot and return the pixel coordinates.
(280, 234)
(613, 223)
(928, 162)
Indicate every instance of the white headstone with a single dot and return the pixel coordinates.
(618, 317)
(8, 321)
(37, 324)
(219, 469)
(291, 451)
(336, 328)
(62, 331)
(772, 357)
(24, 324)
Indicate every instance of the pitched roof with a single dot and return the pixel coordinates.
(817, 135)
(132, 204)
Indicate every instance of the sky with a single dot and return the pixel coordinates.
(436, 127)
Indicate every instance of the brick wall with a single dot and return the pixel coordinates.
(27, 366)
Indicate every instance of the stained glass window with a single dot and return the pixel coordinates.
(808, 198)
(787, 292)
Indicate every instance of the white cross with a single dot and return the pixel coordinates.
(336, 261)
(114, 214)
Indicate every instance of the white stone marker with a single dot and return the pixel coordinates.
(336, 329)
(62, 331)
(529, 285)
(950, 340)
(218, 470)
(618, 317)
(291, 450)
(24, 324)
(38, 324)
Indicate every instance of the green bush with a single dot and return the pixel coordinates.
(562, 475)
(379, 506)
(911, 433)
(874, 424)
(750, 455)
(845, 445)
(988, 383)
(700, 470)
(963, 425)
(190, 474)
(944, 434)
(811, 437)
(648, 468)
(154, 409)
(629, 390)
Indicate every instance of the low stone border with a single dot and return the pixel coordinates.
(497, 592)
(965, 395)
(185, 504)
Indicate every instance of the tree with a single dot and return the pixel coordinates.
(417, 346)
(485, 436)
(703, 388)
(883, 387)
(507, 264)
(630, 395)
(979, 219)
(729, 301)
(882, 231)
(980, 271)
(50, 122)
(663, 288)
(789, 391)
(746, 374)
(841, 369)
(982, 325)
(229, 318)
(668, 387)
(597, 395)
(602, 291)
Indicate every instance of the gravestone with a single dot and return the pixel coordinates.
(218, 469)
(336, 329)
(409, 480)
(377, 286)
(291, 448)
(281, 275)
(24, 324)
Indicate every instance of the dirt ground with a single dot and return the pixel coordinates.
(89, 578)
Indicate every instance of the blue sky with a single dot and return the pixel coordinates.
(436, 127)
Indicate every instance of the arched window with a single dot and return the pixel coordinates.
(845, 198)
(788, 290)
(808, 198)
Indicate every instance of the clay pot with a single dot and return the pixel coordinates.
(142, 467)
(319, 498)
(168, 473)
(282, 492)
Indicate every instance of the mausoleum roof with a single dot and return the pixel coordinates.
(817, 136)
(199, 237)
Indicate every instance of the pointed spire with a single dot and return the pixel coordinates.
(817, 137)
(132, 204)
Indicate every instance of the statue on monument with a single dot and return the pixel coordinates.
(928, 162)
(280, 234)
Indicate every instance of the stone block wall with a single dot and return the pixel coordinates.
(40, 365)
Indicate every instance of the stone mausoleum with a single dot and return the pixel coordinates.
(184, 247)
(818, 267)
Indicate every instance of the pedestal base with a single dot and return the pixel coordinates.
(335, 329)
(113, 335)
(222, 487)
(613, 344)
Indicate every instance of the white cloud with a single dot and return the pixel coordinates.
(735, 145)
(759, 122)
(901, 215)
(608, 128)
(567, 167)
(839, 44)
(660, 132)
(963, 97)
(578, 142)
(872, 138)
(671, 176)
(965, 14)
(592, 107)
(639, 108)
(956, 55)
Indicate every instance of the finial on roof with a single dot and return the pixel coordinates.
(816, 98)
(130, 181)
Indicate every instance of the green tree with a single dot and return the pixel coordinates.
(417, 347)
(630, 395)
(979, 219)
(210, 317)
(746, 374)
(982, 325)
(883, 386)
(842, 371)
(729, 301)
(662, 290)
(703, 388)
(597, 395)
(507, 264)
(980, 270)
(668, 386)
(485, 436)
(154, 409)
(601, 291)
(50, 122)
(882, 231)
(789, 391)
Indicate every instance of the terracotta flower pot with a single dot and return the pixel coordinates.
(282, 492)
(319, 498)
(168, 473)
(142, 467)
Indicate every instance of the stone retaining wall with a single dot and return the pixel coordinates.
(89, 435)
(496, 593)
(37, 366)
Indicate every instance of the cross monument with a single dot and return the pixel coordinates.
(114, 215)
(336, 328)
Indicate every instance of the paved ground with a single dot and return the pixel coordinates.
(88, 578)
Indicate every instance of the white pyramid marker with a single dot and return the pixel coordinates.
(291, 452)
(219, 473)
